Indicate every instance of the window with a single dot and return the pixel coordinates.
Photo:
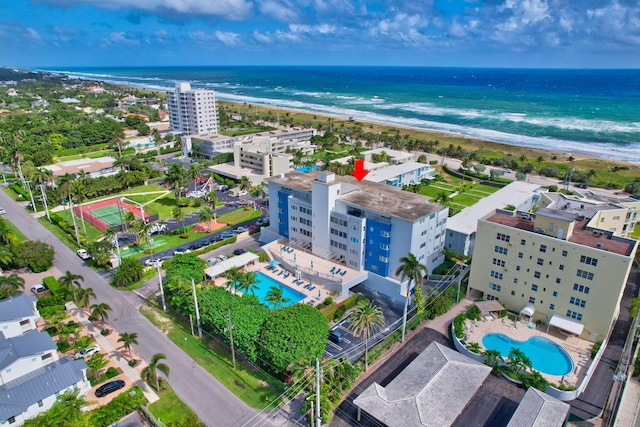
(555, 293)
(564, 253)
(500, 250)
(385, 234)
(354, 240)
(40, 404)
(532, 300)
(515, 280)
(496, 275)
(588, 260)
(24, 322)
(585, 274)
(523, 242)
(534, 288)
(513, 293)
(11, 420)
(520, 255)
(494, 287)
(503, 237)
(552, 306)
(540, 261)
(498, 262)
(536, 274)
(422, 245)
(517, 268)
(581, 288)
(383, 258)
(577, 301)
(543, 248)
(574, 315)
(558, 280)
(561, 266)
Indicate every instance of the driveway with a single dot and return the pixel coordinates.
(211, 401)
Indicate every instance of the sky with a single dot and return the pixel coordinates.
(466, 33)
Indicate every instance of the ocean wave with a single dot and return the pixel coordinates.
(433, 110)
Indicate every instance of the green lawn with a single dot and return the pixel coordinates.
(432, 192)
(465, 199)
(238, 216)
(250, 385)
(16, 232)
(170, 409)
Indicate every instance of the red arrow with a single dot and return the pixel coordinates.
(359, 173)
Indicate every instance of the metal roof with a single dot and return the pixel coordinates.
(29, 344)
(16, 396)
(538, 409)
(236, 261)
(17, 307)
(431, 391)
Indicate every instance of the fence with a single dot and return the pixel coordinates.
(85, 211)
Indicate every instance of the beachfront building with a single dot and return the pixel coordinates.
(365, 227)
(615, 214)
(461, 228)
(401, 174)
(393, 157)
(552, 267)
(192, 111)
(258, 156)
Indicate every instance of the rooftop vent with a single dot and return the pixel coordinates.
(600, 245)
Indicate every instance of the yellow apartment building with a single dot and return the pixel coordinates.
(552, 267)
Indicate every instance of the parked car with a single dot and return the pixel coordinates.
(222, 257)
(240, 229)
(83, 254)
(262, 221)
(181, 251)
(336, 336)
(154, 262)
(239, 251)
(2, 211)
(227, 234)
(212, 261)
(38, 289)
(582, 186)
(109, 387)
(87, 352)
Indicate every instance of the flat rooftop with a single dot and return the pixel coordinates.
(516, 193)
(381, 198)
(581, 235)
(85, 164)
(394, 171)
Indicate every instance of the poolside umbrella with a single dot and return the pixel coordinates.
(294, 257)
(311, 263)
(318, 293)
(274, 262)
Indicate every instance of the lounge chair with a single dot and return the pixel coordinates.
(343, 273)
(312, 288)
(333, 269)
(290, 250)
(280, 273)
(286, 275)
(338, 271)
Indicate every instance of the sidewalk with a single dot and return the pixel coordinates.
(627, 415)
(113, 354)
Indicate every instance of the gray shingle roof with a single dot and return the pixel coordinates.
(16, 396)
(538, 409)
(17, 307)
(431, 391)
(31, 343)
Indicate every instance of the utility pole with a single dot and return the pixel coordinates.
(318, 419)
(233, 351)
(33, 202)
(44, 200)
(164, 304)
(406, 305)
(312, 423)
(195, 301)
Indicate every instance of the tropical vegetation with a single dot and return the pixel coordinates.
(365, 320)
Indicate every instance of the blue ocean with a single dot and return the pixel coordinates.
(592, 112)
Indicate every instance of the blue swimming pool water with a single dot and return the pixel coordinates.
(546, 356)
(306, 169)
(263, 284)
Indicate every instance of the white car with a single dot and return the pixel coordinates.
(38, 289)
(83, 254)
(242, 193)
(181, 251)
(87, 352)
(2, 211)
(222, 257)
(154, 262)
(240, 229)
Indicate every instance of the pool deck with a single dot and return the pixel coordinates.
(578, 349)
(312, 296)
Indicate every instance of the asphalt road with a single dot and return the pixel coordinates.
(211, 401)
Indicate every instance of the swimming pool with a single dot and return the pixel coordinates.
(263, 284)
(545, 355)
(306, 169)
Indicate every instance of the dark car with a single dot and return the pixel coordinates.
(239, 251)
(583, 186)
(336, 337)
(109, 387)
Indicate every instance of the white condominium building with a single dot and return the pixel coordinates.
(192, 111)
(364, 225)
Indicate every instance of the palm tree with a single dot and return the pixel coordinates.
(492, 358)
(205, 215)
(248, 280)
(150, 373)
(410, 268)
(80, 192)
(101, 311)
(10, 285)
(6, 256)
(69, 282)
(212, 199)
(16, 160)
(245, 184)
(539, 160)
(233, 276)
(66, 185)
(178, 214)
(127, 339)
(193, 172)
(43, 178)
(175, 178)
(275, 297)
(111, 234)
(96, 363)
(365, 319)
(82, 296)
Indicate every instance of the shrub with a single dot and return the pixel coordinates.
(63, 346)
(338, 314)
(51, 283)
(36, 255)
(553, 188)
(328, 301)
(196, 202)
(123, 404)
(133, 363)
(473, 313)
(595, 348)
(458, 324)
(111, 372)
(184, 236)
(105, 332)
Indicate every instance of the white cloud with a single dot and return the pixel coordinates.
(280, 10)
(120, 38)
(261, 37)
(228, 38)
(319, 29)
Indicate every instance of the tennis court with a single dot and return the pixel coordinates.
(112, 215)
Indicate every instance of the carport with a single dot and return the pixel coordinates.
(488, 307)
(237, 261)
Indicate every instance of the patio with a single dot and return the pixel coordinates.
(578, 349)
